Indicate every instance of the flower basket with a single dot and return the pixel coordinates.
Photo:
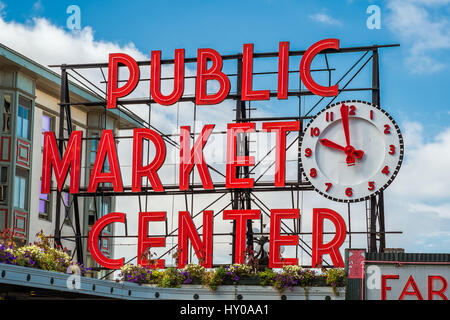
(249, 280)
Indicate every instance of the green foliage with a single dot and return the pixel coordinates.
(171, 278)
(267, 277)
(41, 255)
(214, 278)
(287, 277)
(139, 274)
(335, 277)
(194, 271)
(236, 271)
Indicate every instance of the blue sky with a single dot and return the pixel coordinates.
(414, 77)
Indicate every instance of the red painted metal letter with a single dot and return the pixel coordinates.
(106, 147)
(195, 156)
(276, 240)
(214, 73)
(280, 153)
(283, 70)
(332, 247)
(233, 160)
(440, 292)
(155, 82)
(247, 77)
(384, 286)
(51, 157)
(187, 230)
(305, 64)
(113, 69)
(150, 170)
(145, 243)
(99, 225)
(415, 292)
(241, 217)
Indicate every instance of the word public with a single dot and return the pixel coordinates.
(214, 72)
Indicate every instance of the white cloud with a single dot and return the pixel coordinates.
(48, 44)
(418, 201)
(424, 31)
(425, 173)
(431, 2)
(442, 211)
(325, 19)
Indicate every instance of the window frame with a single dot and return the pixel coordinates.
(52, 126)
(20, 119)
(6, 114)
(4, 184)
(47, 216)
(17, 184)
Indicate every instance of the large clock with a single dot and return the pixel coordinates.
(351, 150)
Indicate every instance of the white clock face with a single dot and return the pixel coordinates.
(351, 150)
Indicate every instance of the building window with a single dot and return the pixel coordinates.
(66, 129)
(47, 125)
(106, 205)
(6, 126)
(44, 205)
(94, 148)
(23, 118)
(21, 189)
(92, 216)
(3, 184)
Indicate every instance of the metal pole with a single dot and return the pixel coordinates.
(66, 105)
(377, 203)
(236, 193)
(61, 152)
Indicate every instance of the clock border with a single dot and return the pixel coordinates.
(392, 177)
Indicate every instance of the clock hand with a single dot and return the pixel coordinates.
(358, 153)
(350, 151)
(350, 160)
(331, 144)
(344, 118)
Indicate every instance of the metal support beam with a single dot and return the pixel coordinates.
(376, 202)
(65, 110)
